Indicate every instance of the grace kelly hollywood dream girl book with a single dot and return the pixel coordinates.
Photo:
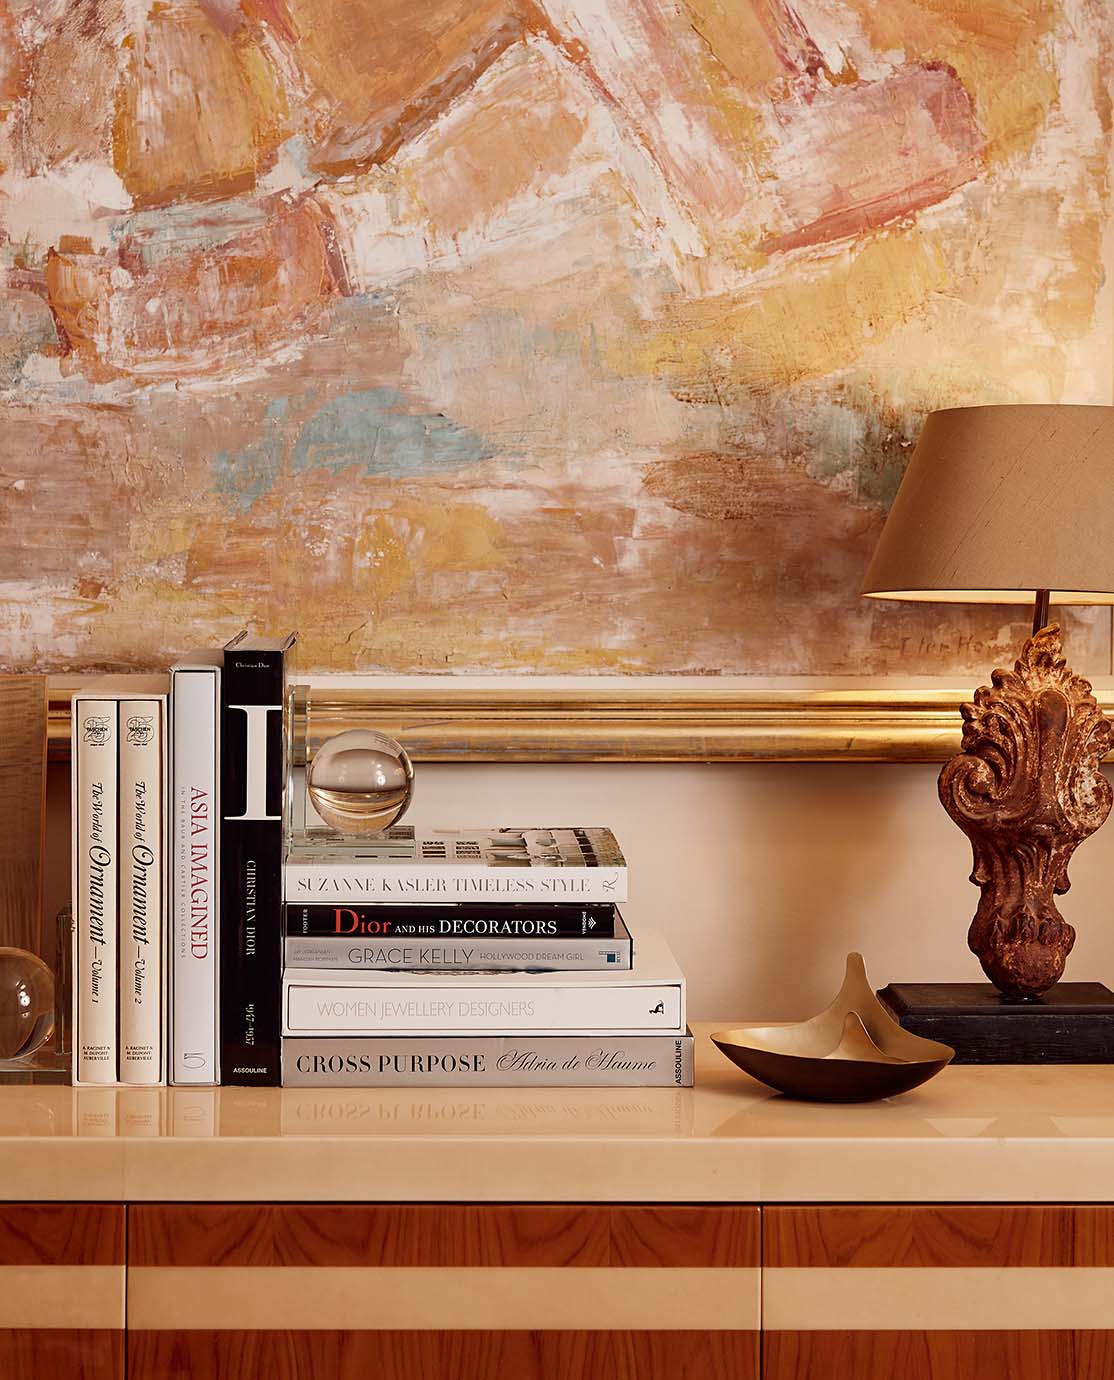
(650, 998)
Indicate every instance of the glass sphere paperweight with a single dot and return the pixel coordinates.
(26, 1003)
(360, 781)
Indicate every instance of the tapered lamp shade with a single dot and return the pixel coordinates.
(999, 502)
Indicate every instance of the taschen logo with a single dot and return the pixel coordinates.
(140, 729)
(96, 730)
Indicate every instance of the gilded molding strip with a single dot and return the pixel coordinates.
(937, 1299)
(354, 1298)
(61, 1296)
(636, 722)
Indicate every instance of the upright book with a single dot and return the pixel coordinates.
(252, 692)
(142, 891)
(646, 999)
(195, 850)
(578, 866)
(95, 872)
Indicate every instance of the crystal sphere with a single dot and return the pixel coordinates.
(26, 1003)
(360, 782)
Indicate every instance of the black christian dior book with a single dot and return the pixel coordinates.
(252, 691)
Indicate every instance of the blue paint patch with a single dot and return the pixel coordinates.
(373, 431)
(246, 476)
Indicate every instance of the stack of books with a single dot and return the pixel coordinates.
(473, 957)
(215, 944)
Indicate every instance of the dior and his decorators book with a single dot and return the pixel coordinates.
(456, 937)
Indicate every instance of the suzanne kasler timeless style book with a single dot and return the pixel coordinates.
(506, 865)
(647, 999)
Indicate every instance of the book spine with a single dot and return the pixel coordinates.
(251, 866)
(370, 1009)
(641, 1061)
(451, 922)
(194, 900)
(141, 890)
(310, 882)
(96, 729)
(506, 955)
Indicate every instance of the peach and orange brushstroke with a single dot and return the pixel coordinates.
(531, 335)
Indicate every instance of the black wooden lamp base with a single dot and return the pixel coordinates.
(1071, 1024)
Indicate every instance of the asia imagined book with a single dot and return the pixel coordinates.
(96, 868)
(488, 1061)
(194, 881)
(252, 689)
(345, 940)
(408, 864)
(648, 998)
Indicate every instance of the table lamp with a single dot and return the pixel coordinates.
(1007, 505)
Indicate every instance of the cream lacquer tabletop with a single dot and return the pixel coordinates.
(1004, 1134)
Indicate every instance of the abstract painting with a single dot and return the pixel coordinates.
(524, 335)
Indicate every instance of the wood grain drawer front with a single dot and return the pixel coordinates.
(528, 1292)
(62, 1290)
(938, 1293)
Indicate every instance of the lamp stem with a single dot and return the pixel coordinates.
(1040, 611)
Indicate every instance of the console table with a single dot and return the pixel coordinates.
(965, 1230)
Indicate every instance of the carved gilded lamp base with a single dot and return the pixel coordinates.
(1026, 789)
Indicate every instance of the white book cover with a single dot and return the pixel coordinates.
(142, 897)
(451, 865)
(95, 789)
(649, 997)
(194, 875)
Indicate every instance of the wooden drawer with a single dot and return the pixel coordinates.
(938, 1293)
(62, 1291)
(405, 1291)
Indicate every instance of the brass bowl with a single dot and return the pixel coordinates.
(852, 1052)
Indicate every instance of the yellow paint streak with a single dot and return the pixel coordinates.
(516, 131)
(803, 326)
(378, 70)
(1068, 308)
(733, 34)
(738, 64)
(199, 114)
(411, 538)
(996, 48)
